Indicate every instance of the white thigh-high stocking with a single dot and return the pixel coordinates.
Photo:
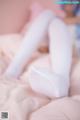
(60, 48)
(54, 82)
(61, 55)
(30, 42)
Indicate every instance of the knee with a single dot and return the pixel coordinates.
(56, 24)
(47, 14)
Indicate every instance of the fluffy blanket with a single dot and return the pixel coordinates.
(21, 102)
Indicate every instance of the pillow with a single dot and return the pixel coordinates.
(13, 15)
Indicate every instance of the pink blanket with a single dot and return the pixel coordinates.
(22, 103)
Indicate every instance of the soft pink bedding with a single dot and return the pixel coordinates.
(21, 102)
(62, 109)
(17, 100)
